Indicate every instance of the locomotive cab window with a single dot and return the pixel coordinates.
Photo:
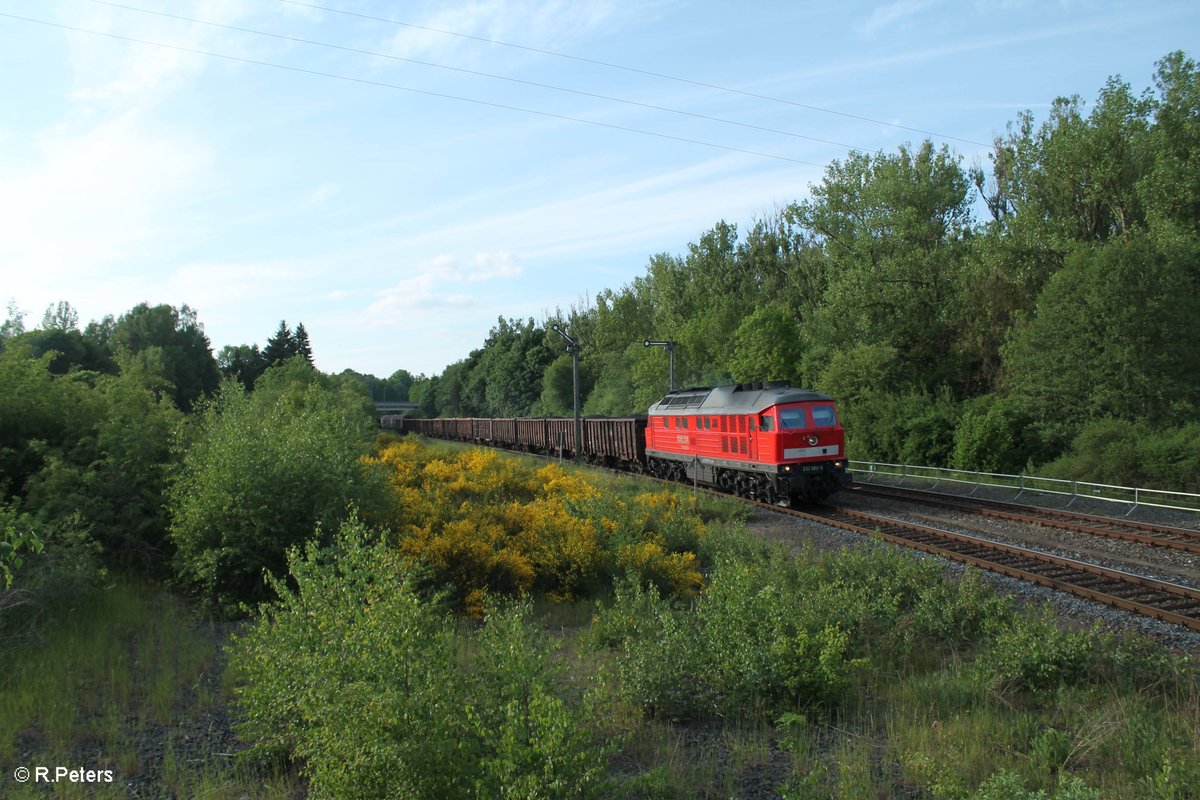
(823, 417)
(791, 418)
(768, 422)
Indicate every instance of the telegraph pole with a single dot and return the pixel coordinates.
(573, 349)
(669, 346)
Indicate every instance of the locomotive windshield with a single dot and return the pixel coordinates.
(791, 418)
(823, 417)
(797, 417)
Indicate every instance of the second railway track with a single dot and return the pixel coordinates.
(1167, 536)
(1161, 600)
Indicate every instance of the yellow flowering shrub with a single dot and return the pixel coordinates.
(484, 523)
(672, 573)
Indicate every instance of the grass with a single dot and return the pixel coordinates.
(128, 681)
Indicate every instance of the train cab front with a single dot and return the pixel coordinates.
(808, 443)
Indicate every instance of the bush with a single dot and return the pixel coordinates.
(365, 681)
(261, 472)
(486, 524)
(772, 634)
(1132, 454)
(1035, 655)
(991, 436)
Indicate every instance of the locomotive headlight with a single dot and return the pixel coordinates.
(812, 439)
(838, 465)
(787, 467)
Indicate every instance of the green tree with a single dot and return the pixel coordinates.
(281, 346)
(894, 229)
(1114, 335)
(303, 346)
(175, 340)
(14, 324)
(243, 363)
(61, 317)
(767, 346)
(1170, 189)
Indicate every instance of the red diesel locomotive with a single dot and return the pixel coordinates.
(769, 441)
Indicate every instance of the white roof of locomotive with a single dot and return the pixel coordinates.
(742, 398)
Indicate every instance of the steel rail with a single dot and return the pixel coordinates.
(1146, 533)
(1165, 601)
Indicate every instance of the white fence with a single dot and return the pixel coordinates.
(929, 477)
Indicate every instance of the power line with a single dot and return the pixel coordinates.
(382, 84)
(477, 73)
(610, 65)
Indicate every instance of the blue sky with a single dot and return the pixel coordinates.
(369, 179)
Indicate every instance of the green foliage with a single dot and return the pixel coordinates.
(991, 436)
(1006, 785)
(243, 363)
(1124, 453)
(356, 674)
(260, 473)
(897, 228)
(775, 634)
(14, 541)
(173, 341)
(88, 446)
(767, 346)
(1035, 655)
(1113, 336)
(115, 479)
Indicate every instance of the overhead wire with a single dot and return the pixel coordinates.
(398, 87)
(477, 73)
(626, 68)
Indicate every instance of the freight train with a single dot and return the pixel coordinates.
(766, 440)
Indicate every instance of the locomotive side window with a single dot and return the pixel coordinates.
(683, 423)
(791, 418)
(823, 417)
(768, 423)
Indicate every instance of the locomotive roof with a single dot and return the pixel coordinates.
(741, 398)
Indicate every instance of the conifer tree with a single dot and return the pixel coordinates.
(281, 346)
(303, 346)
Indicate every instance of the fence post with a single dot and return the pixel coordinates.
(1135, 501)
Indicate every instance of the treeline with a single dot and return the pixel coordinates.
(1038, 314)
(125, 444)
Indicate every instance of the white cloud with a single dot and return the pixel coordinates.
(534, 24)
(431, 287)
(321, 194)
(892, 14)
(91, 197)
(494, 265)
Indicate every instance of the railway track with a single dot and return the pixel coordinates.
(1165, 601)
(1127, 530)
